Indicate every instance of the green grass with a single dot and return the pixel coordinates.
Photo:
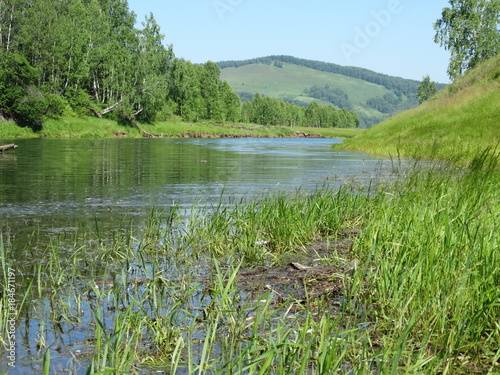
(424, 298)
(460, 121)
(9, 130)
(88, 127)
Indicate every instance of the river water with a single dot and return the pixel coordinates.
(55, 187)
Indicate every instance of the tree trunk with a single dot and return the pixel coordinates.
(106, 110)
(7, 46)
(110, 108)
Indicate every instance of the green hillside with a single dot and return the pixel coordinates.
(372, 95)
(460, 121)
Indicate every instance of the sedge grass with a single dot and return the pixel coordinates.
(425, 297)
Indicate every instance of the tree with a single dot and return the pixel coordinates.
(231, 102)
(153, 61)
(19, 98)
(426, 90)
(184, 90)
(469, 30)
(209, 85)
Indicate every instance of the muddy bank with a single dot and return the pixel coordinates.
(228, 135)
(321, 270)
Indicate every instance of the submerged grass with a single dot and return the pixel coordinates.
(423, 298)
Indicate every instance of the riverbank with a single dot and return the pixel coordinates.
(402, 278)
(88, 127)
(457, 124)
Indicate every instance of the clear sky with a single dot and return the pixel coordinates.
(394, 37)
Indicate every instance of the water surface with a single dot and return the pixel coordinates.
(51, 184)
(55, 187)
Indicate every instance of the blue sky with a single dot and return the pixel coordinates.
(394, 37)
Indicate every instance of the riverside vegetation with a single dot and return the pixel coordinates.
(88, 127)
(395, 277)
(97, 63)
(411, 269)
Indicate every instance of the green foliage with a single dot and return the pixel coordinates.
(209, 89)
(150, 78)
(184, 89)
(469, 30)
(231, 103)
(270, 111)
(19, 99)
(56, 105)
(387, 104)
(28, 111)
(426, 90)
(80, 101)
(90, 55)
(334, 95)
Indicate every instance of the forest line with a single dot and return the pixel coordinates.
(87, 57)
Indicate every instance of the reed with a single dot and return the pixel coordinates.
(166, 294)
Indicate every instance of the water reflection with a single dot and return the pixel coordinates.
(48, 183)
(59, 186)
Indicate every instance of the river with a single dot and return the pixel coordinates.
(53, 185)
(53, 189)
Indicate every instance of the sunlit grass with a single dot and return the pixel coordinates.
(461, 121)
(9, 130)
(165, 295)
(88, 127)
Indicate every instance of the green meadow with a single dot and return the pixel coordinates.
(290, 81)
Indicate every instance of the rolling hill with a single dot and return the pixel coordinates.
(374, 96)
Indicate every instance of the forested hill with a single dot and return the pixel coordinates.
(405, 86)
(374, 96)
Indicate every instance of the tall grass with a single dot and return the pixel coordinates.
(166, 296)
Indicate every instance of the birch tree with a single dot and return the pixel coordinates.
(469, 30)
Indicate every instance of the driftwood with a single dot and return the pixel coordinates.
(7, 147)
(96, 114)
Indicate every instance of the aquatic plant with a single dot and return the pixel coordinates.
(414, 264)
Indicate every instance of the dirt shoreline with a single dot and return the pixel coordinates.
(222, 135)
(321, 270)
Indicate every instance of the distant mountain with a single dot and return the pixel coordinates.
(374, 96)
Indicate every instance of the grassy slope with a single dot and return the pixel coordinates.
(457, 123)
(290, 82)
(72, 127)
